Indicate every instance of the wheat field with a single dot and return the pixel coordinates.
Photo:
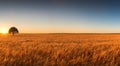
(60, 50)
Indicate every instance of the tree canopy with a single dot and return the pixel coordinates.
(13, 30)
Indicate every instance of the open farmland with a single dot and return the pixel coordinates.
(60, 50)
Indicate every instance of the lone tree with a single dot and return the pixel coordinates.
(13, 30)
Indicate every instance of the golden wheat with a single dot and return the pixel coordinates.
(60, 50)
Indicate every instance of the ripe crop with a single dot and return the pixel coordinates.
(60, 50)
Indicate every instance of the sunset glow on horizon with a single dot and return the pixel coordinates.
(4, 31)
(65, 17)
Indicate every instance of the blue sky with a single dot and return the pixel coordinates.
(60, 18)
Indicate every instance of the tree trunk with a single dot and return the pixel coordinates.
(13, 33)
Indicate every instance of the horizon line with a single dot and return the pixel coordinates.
(67, 33)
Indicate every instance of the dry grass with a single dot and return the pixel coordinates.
(60, 50)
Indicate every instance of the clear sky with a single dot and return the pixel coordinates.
(61, 16)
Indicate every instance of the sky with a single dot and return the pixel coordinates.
(61, 16)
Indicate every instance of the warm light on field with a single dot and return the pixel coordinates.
(3, 31)
(67, 49)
